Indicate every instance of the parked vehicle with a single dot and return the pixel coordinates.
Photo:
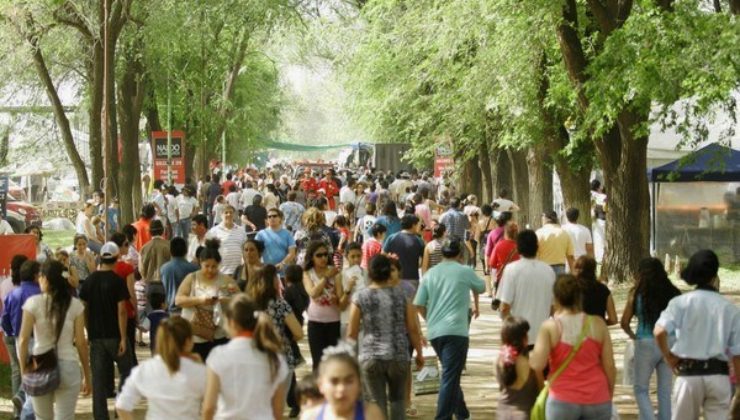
(29, 213)
(16, 221)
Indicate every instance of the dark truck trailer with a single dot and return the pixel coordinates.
(388, 157)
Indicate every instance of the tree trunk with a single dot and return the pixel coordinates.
(540, 185)
(69, 144)
(501, 171)
(95, 77)
(576, 191)
(520, 177)
(484, 163)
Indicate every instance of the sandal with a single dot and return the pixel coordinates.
(411, 411)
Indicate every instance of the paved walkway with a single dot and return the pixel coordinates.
(479, 384)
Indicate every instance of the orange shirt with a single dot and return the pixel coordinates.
(142, 233)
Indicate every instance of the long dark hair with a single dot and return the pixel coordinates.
(15, 268)
(654, 288)
(313, 246)
(245, 313)
(58, 291)
(262, 289)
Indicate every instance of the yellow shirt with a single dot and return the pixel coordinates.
(554, 244)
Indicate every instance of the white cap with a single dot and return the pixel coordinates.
(109, 250)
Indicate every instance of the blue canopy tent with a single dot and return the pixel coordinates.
(712, 163)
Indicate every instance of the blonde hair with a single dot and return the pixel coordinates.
(313, 219)
(172, 335)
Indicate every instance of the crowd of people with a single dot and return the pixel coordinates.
(221, 278)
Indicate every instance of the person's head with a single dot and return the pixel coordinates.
(572, 215)
(119, 239)
(395, 278)
(503, 193)
(174, 339)
(317, 255)
(62, 256)
(159, 185)
(340, 222)
(35, 231)
(438, 231)
(549, 217)
(257, 200)
(109, 253)
(253, 250)
(220, 199)
(294, 274)
(243, 316)
(654, 288)
(354, 253)
(178, 247)
(526, 243)
(390, 209)
(53, 282)
(30, 270)
(80, 242)
(503, 218)
(349, 209)
(292, 195)
(701, 271)
(452, 249)
(199, 224)
(379, 269)
(89, 209)
(455, 203)
(568, 292)
(262, 288)
(514, 342)
(370, 209)
(157, 300)
(322, 203)
(210, 258)
(585, 269)
(156, 228)
(229, 212)
(15, 268)
(307, 392)
(148, 211)
(472, 200)
(275, 218)
(339, 378)
(511, 231)
(130, 232)
(410, 222)
(186, 191)
(595, 185)
(378, 231)
(486, 210)
(313, 219)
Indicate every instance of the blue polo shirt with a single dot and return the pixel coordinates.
(277, 244)
(172, 273)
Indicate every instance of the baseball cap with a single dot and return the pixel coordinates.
(109, 250)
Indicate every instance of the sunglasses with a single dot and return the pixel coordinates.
(321, 255)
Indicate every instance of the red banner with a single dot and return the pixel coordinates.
(12, 245)
(441, 164)
(177, 153)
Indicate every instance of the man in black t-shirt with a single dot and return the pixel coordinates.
(105, 294)
(409, 248)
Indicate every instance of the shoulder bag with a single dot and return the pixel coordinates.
(496, 302)
(41, 375)
(538, 409)
(202, 322)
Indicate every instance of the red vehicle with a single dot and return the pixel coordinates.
(26, 210)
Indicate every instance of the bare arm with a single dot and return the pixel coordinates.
(425, 261)
(571, 262)
(627, 315)
(210, 400)
(611, 311)
(294, 326)
(414, 330)
(538, 356)
(131, 290)
(314, 291)
(607, 355)
(23, 338)
(83, 352)
(353, 328)
(122, 320)
(183, 298)
(590, 249)
(661, 338)
(421, 310)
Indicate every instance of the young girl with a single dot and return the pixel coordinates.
(218, 209)
(173, 382)
(433, 250)
(342, 226)
(516, 380)
(362, 230)
(81, 259)
(247, 369)
(339, 381)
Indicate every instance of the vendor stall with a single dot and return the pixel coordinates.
(696, 203)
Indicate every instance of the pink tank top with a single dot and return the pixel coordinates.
(583, 381)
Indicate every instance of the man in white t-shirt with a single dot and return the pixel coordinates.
(248, 194)
(503, 202)
(5, 228)
(583, 244)
(347, 193)
(526, 289)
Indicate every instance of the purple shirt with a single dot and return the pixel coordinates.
(13, 308)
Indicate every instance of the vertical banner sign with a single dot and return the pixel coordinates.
(4, 189)
(159, 152)
(442, 160)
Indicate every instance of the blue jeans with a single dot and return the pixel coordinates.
(558, 410)
(103, 354)
(647, 359)
(183, 228)
(452, 351)
(15, 369)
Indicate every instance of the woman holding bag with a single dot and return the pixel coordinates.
(57, 321)
(579, 350)
(201, 295)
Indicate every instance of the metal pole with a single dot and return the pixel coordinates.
(106, 122)
(169, 133)
(223, 152)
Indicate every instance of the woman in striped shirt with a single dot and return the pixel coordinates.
(433, 250)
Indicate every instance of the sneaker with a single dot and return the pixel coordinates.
(18, 403)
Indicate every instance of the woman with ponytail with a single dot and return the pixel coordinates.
(516, 380)
(249, 368)
(57, 321)
(173, 381)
